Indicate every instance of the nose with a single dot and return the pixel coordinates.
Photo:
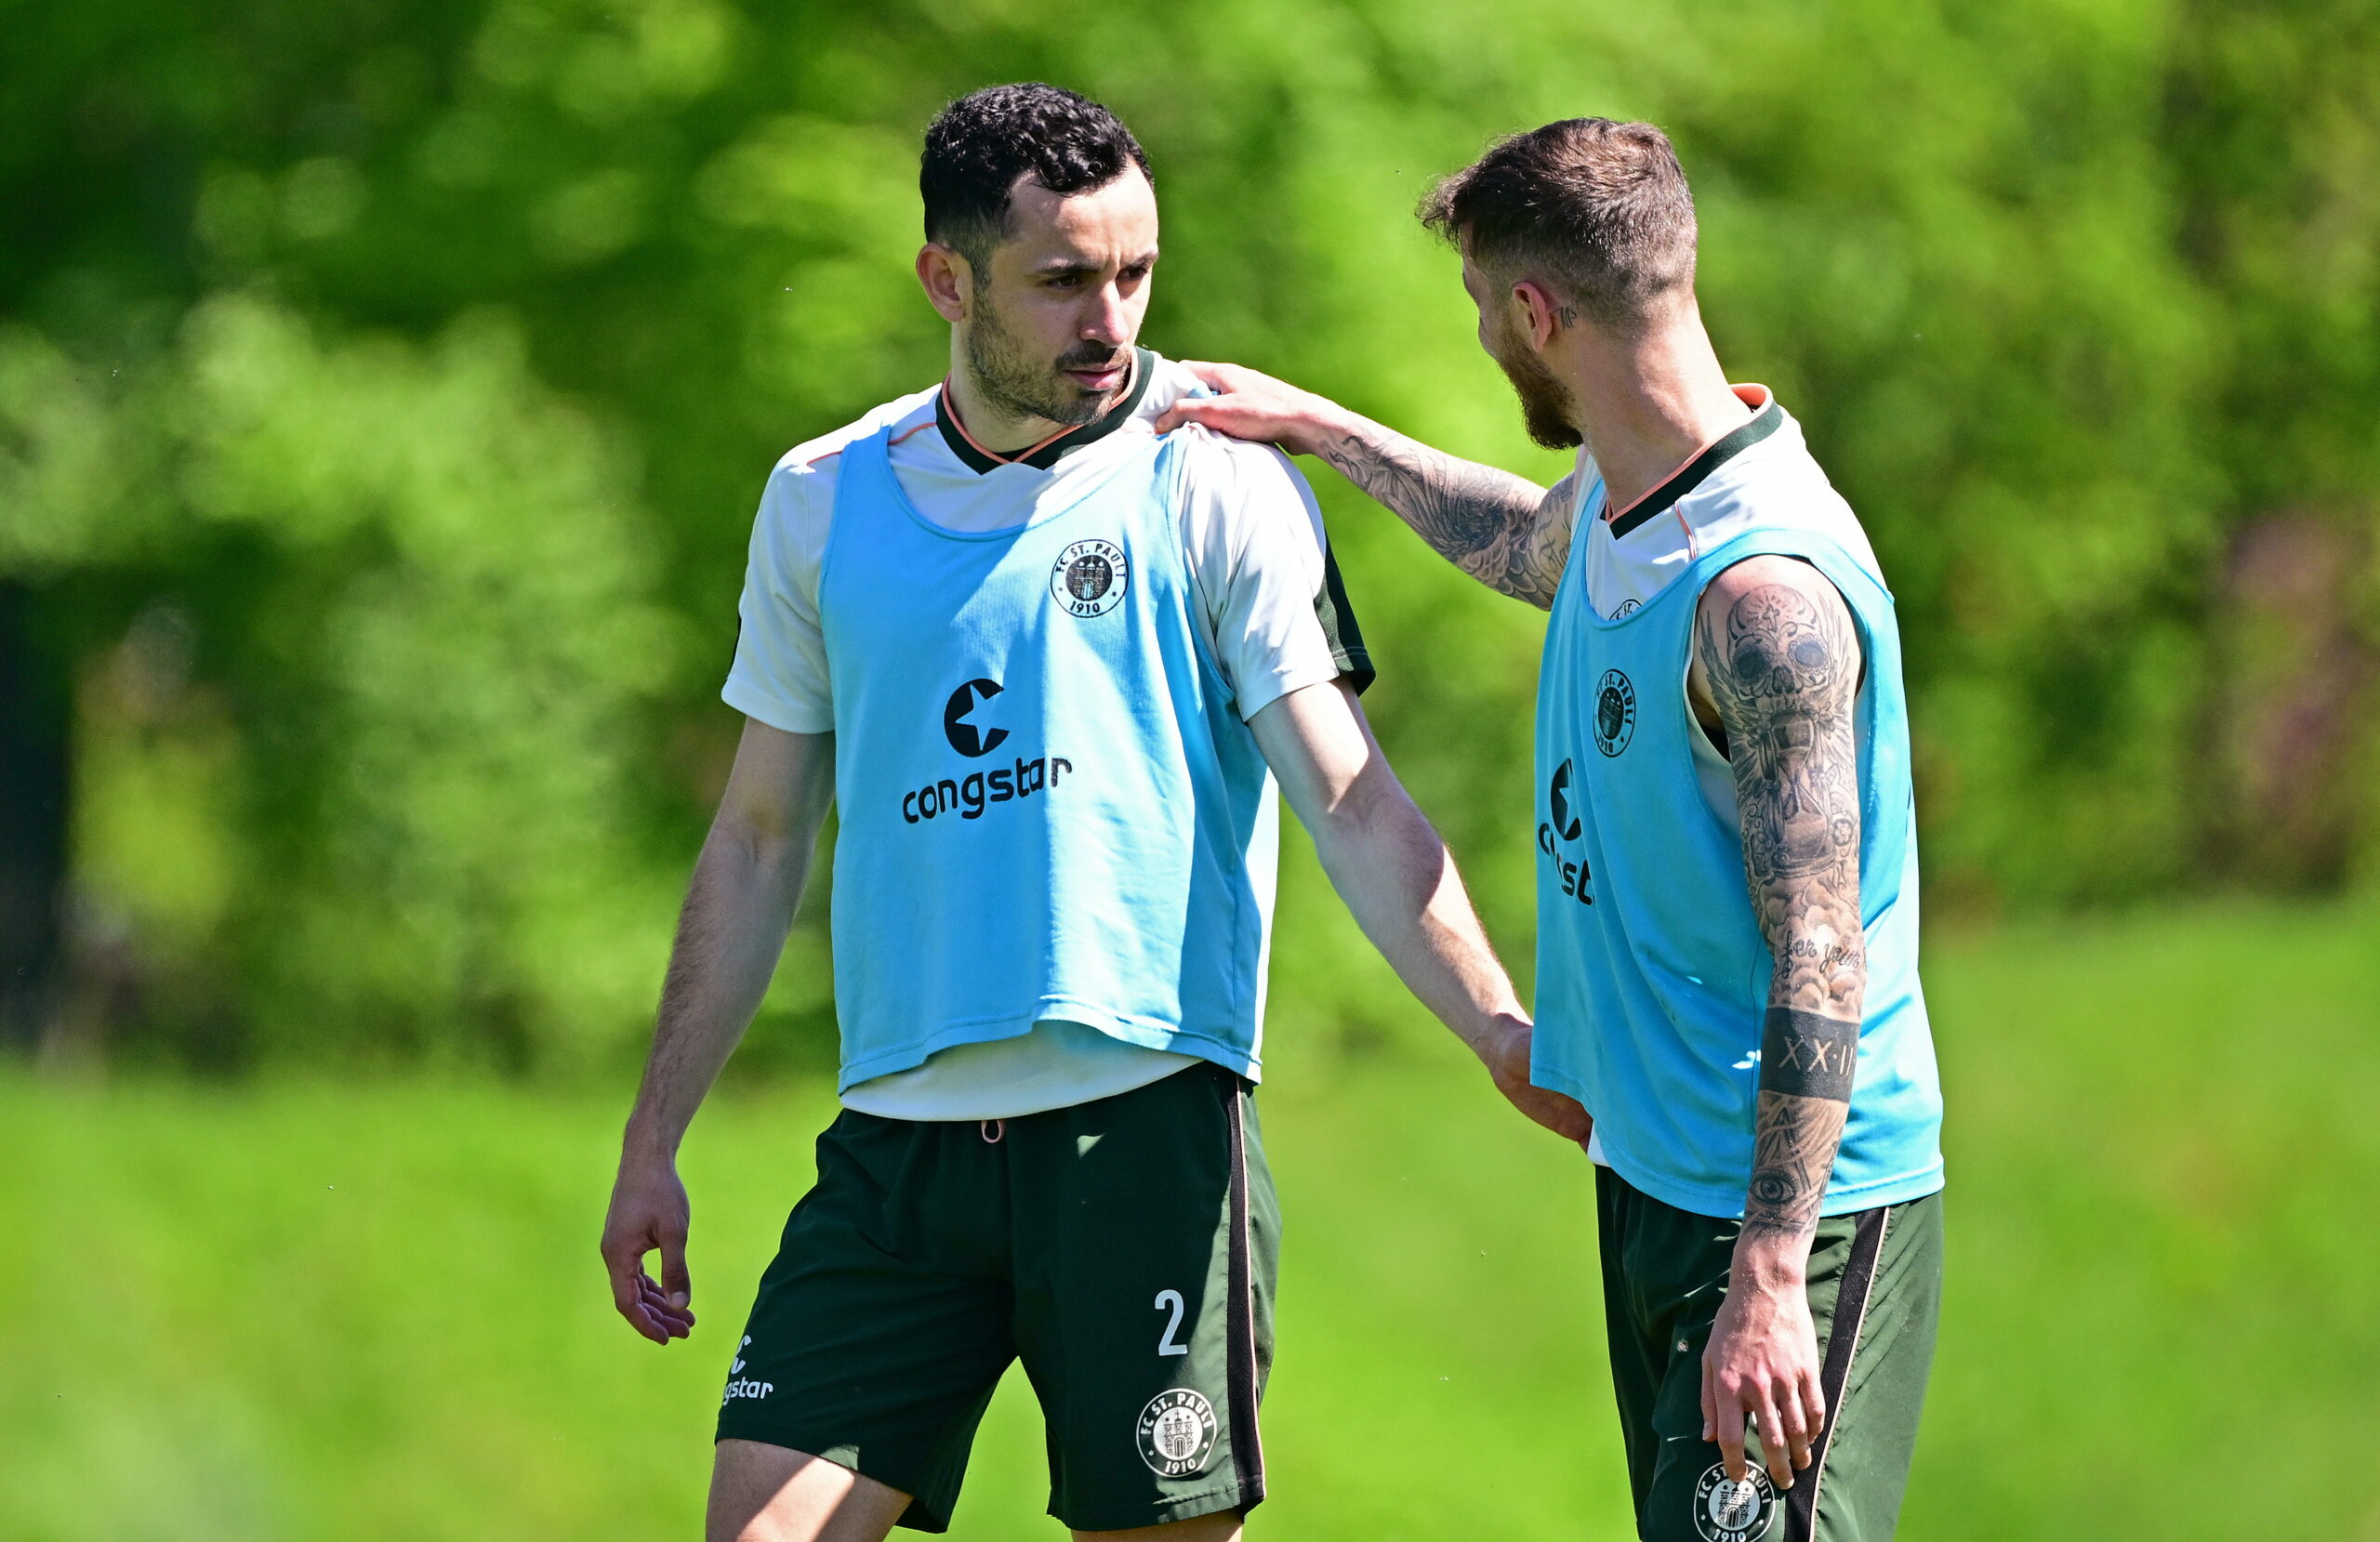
(1109, 321)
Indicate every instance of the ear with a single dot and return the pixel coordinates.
(1541, 314)
(948, 281)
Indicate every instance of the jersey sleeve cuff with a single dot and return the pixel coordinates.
(1355, 661)
(1254, 696)
(783, 716)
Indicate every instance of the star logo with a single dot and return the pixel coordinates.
(967, 738)
(1565, 818)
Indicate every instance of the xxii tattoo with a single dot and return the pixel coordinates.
(1804, 1055)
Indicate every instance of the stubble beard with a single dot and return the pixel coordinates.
(1547, 406)
(1025, 386)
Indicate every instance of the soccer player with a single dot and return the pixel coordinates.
(1048, 664)
(1727, 876)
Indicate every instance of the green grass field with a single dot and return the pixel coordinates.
(375, 1312)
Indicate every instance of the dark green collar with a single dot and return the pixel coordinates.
(1687, 478)
(1144, 366)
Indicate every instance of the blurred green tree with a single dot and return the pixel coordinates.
(384, 391)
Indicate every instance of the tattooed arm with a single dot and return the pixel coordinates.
(1505, 531)
(1508, 532)
(1776, 663)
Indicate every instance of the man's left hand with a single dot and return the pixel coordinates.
(1507, 1056)
(1762, 1362)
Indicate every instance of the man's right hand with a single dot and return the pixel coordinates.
(1255, 406)
(1505, 531)
(649, 1214)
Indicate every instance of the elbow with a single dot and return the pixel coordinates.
(1357, 812)
(758, 845)
(1374, 813)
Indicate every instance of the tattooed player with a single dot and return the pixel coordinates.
(1720, 718)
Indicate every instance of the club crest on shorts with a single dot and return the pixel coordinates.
(1177, 1433)
(1090, 578)
(1726, 1510)
(1614, 712)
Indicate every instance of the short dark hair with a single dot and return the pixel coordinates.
(978, 146)
(1600, 209)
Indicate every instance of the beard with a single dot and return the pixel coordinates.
(1547, 407)
(1020, 384)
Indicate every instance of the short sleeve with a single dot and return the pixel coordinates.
(1279, 612)
(779, 676)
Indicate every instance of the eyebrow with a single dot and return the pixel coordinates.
(1057, 267)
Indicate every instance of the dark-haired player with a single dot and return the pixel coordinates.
(1048, 664)
(1727, 876)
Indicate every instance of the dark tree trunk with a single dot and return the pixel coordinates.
(34, 717)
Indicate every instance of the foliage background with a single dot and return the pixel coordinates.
(384, 390)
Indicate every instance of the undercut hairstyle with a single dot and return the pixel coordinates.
(978, 146)
(1597, 210)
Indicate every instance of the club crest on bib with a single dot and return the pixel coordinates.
(1614, 712)
(1177, 1433)
(1090, 578)
(1726, 1510)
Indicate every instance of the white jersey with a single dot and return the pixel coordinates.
(1273, 611)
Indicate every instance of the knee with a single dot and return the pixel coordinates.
(771, 1494)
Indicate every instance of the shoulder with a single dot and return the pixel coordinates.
(789, 533)
(1245, 507)
(1239, 471)
(1168, 382)
(1776, 485)
(817, 456)
(1773, 629)
(801, 485)
(1765, 572)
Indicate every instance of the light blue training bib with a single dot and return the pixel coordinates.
(1048, 809)
(1652, 976)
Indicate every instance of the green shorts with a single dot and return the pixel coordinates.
(1875, 1284)
(1124, 1249)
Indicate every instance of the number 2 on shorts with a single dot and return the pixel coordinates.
(1165, 1344)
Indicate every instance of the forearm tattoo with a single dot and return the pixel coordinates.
(1505, 531)
(1793, 1155)
(1783, 667)
(1803, 1055)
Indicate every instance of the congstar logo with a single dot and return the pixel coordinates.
(1562, 826)
(740, 1385)
(969, 796)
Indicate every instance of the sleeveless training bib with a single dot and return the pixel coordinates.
(1652, 976)
(1048, 809)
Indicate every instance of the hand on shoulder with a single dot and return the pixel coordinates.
(1250, 405)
